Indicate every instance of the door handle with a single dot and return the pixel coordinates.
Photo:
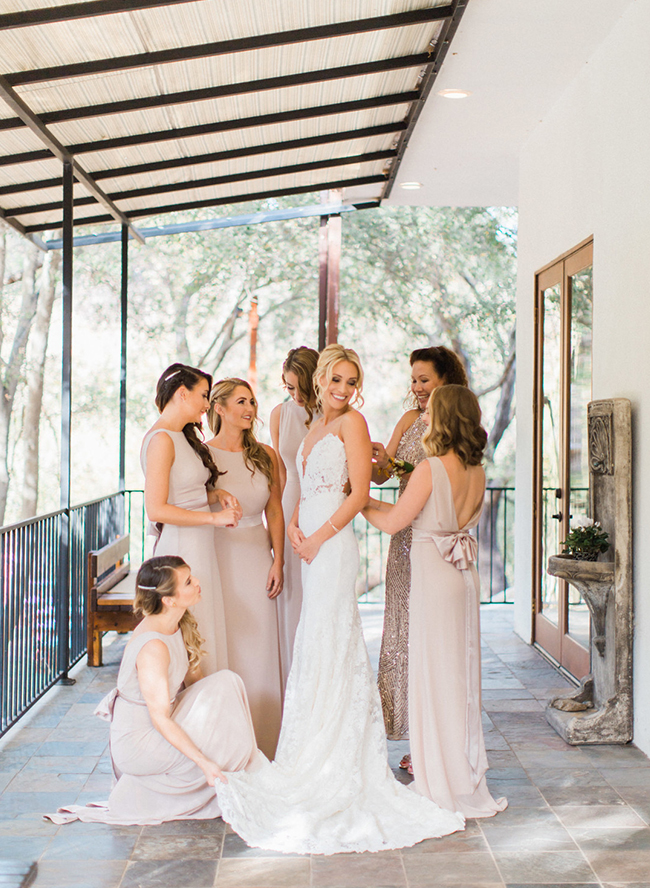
(558, 516)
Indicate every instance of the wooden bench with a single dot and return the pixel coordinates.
(111, 590)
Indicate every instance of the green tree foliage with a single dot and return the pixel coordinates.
(409, 277)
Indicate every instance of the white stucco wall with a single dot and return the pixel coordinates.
(586, 170)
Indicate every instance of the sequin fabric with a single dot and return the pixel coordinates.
(394, 657)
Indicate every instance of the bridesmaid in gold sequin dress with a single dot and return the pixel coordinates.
(430, 368)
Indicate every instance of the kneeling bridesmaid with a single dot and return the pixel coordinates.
(173, 733)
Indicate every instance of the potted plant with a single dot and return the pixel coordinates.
(586, 540)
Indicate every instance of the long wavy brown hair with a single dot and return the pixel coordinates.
(256, 456)
(158, 579)
(174, 377)
(455, 424)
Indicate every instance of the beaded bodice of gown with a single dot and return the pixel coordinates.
(393, 659)
(304, 801)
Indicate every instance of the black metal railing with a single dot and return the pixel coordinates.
(43, 612)
(495, 535)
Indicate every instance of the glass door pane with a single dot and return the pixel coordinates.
(581, 301)
(551, 417)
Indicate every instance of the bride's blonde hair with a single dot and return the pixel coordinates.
(328, 359)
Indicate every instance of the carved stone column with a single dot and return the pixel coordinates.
(600, 711)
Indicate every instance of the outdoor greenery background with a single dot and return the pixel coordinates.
(410, 277)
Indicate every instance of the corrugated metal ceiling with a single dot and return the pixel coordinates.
(172, 104)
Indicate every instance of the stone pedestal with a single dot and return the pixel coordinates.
(600, 711)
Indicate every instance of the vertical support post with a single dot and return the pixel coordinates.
(124, 312)
(333, 269)
(63, 621)
(253, 322)
(322, 283)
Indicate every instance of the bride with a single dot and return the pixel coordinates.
(330, 788)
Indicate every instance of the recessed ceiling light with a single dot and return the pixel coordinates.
(410, 186)
(454, 93)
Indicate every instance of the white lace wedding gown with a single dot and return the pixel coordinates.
(330, 788)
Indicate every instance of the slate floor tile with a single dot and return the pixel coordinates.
(598, 817)
(553, 867)
(620, 865)
(549, 837)
(66, 874)
(169, 874)
(23, 847)
(263, 873)
(449, 868)
(68, 845)
(234, 846)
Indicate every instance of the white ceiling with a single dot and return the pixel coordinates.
(517, 57)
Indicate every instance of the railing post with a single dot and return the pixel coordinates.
(63, 610)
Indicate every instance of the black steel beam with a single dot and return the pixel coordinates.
(221, 126)
(63, 584)
(56, 148)
(215, 156)
(124, 313)
(211, 181)
(185, 97)
(67, 13)
(220, 201)
(17, 226)
(66, 348)
(430, 75)
(226, 47)
(254, 218)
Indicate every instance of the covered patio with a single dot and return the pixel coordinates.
(115, 111)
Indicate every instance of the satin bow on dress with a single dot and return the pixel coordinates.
(457, 546)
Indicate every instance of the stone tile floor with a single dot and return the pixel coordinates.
(577, 816)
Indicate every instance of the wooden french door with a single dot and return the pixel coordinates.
(563, 361)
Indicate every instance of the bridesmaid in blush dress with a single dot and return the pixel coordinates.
(290, 422)
(173, 733)
(177, 466)
(251, 555)
(444, 501)
(430, 368)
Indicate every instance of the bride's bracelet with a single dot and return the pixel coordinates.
(336, 530)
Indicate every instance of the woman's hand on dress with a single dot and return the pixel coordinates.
(228, 501)
(379, 455)
(212, 772)
(226, 518)
(275, 581)
(308, 549)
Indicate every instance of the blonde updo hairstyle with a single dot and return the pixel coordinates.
(329, 358)
(455, 424)
(256, 456)
(303, 362)
(158, 579)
